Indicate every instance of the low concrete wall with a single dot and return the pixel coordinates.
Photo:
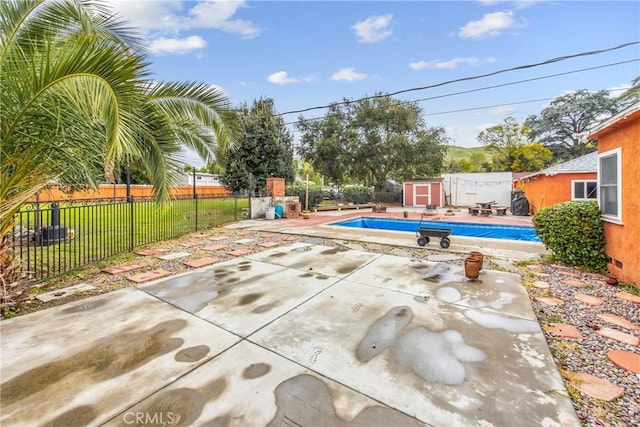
(259, 204)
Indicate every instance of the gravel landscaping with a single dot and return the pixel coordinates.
(544, 280)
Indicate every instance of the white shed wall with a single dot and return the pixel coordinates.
(467, 189)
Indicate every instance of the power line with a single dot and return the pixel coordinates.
(500, 105)
(448, 82)
(497, 86)
(528, 80)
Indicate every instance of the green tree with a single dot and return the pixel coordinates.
(372, 140)
(478, 159)
(325, 143)
(631, 95)
(531, 158)
(78, 106)
(564, 125)
(303, 169)
(460, 166)
(511, 150)
(264, 149)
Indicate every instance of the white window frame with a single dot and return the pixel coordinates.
(617, 219)
(584, 182)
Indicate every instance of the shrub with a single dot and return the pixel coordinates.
(358, 195)
(315, 194)
(575, 234)
(392, 197)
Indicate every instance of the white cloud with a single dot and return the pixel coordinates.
(462, 136)
(616, 91)
(179, 46)
(220, 89)
(148, 15)
(483, 127)
(281, 78)
(163, 21)
(218, 15)
(171, 16)
(503, 111)
(349, 75)
(451, 63)
(310, 78)
(373, 29)
(491, 25)
(521, 4)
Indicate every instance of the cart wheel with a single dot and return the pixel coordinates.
(422, 241)
(444, 243)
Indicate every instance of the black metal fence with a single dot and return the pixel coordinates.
(53, 238)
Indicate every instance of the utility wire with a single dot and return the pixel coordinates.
(498, 86)
(448, 82)
(528, 80)
(499, 105)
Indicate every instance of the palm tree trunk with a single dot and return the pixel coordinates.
(14, 284)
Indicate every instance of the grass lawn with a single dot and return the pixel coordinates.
(93, 231)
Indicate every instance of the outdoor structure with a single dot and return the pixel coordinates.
(201, 178)
(572, 180)
(275, 187)
(468, 189)
(618, 175)
(423, 192)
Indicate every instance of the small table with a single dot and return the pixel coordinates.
(486, 205)
(500, 210)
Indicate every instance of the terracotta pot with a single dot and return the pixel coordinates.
(406, 214)
(472, 267)
(306, 214)
(478, 255)
(611, 281)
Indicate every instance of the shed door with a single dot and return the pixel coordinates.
(408, 194)
(436, 193)
(422, 195)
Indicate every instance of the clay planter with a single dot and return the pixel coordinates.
(472, 266)
(611, 281)
(406, 214)
(478, 255)
(306, 214)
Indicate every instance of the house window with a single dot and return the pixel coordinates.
(610, 184)
(584, 190)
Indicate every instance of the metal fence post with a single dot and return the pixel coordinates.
(235, 207)
(250, 190)
(195, 196)
(131, 211)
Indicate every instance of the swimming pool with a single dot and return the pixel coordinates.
(490, 231)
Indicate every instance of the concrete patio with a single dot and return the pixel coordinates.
(302, 334)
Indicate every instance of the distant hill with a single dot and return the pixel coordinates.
(459, 153)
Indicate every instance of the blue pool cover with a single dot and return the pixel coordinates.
(491, 231)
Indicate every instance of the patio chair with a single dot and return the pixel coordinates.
(430, 210)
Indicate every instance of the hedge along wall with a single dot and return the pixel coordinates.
(574, 232)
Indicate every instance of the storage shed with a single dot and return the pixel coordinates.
(422, 192)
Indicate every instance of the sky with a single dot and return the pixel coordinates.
(305, 54)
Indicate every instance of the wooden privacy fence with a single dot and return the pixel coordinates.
(119, 192)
